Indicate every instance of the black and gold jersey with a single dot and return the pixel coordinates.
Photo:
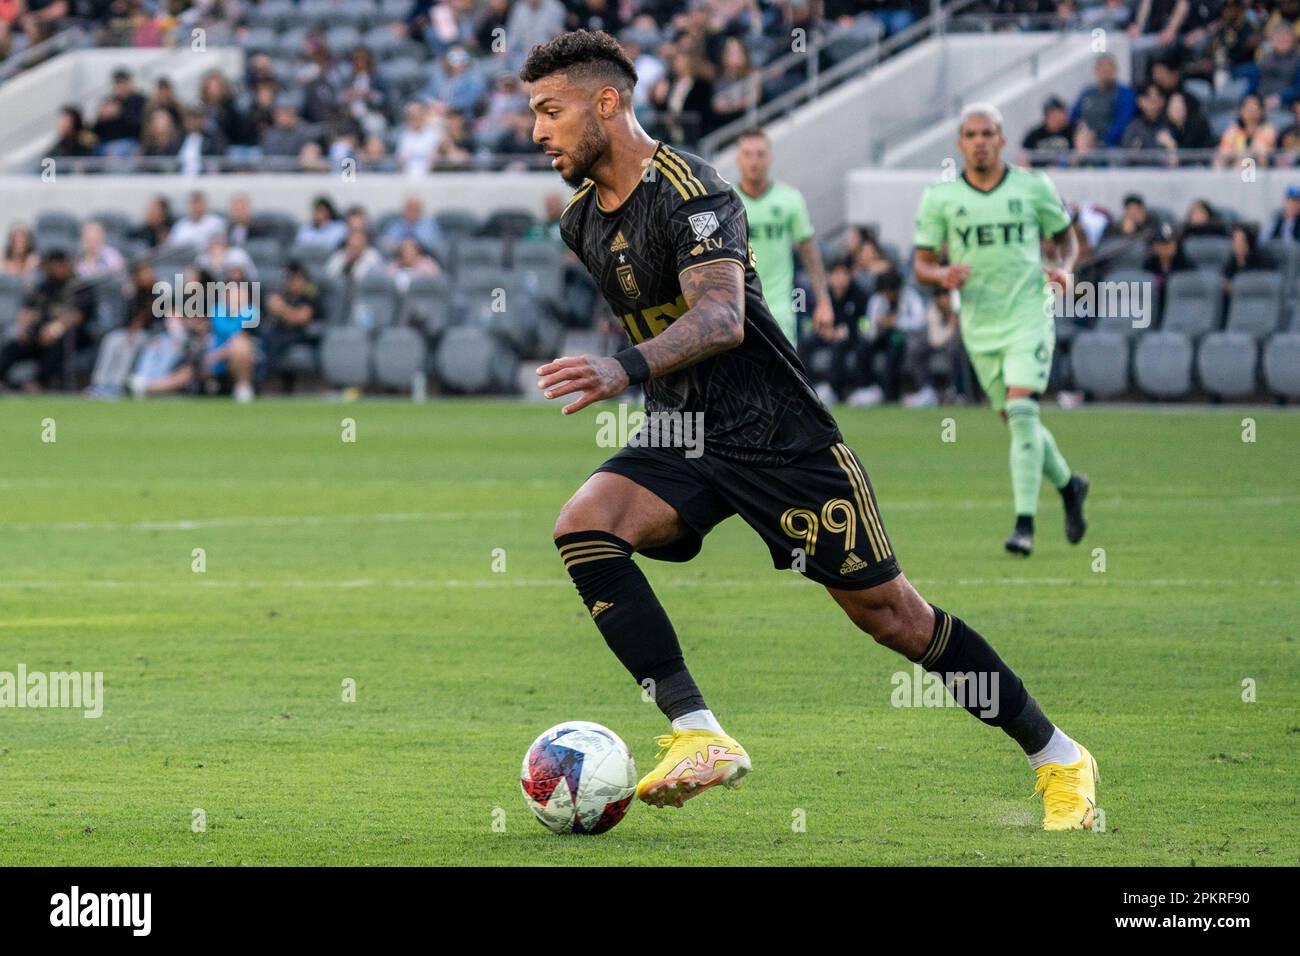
(757, 404)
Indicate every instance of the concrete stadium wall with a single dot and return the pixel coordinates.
(887, 198)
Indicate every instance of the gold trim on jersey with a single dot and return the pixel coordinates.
(582, 191)
(673, 178)
(684, 169)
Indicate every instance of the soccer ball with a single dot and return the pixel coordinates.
(578, 777)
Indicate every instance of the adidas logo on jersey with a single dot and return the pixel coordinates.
(852, 563)
(619, 243)
(600, 606)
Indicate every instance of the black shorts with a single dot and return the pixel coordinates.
(817, 515)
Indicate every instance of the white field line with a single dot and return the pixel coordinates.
(993, 503)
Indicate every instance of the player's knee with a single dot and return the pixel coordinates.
(894, 615)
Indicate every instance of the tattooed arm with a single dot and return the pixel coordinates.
(713, 322)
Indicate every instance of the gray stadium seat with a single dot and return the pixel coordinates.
(1225, 364)
(116, 226)
(261, 39)
(341, 38)
(265, 253)
(1129, 318)
(1208, 252)
(1256, 303)
(1193, 303)
(428, 304)
(381, 41)
(1282, 365)
(171, 259)
(457, 222)
(11, 299)
(1100, 363)
(471, 359)
(333, 299)
(399, 354)
(1285, 254)
(269, 13)
(312, 257)
(345, 356)
(374, 302)
(282, 225)
(1162, 364)
(404, 73)
(472, 255)
(1121, 253)
(509, 222)
(539, 263)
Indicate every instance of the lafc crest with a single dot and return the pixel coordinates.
(628, 281)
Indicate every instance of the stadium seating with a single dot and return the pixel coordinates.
(1162, 364)
(1225, 364)
(345, 356)
(1282, 365)
(1256, 303)
(1193, 303)
(1100, 363)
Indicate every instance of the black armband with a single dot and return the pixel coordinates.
(634, 363)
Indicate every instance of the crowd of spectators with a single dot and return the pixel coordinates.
(1215, 83)
(437, 87)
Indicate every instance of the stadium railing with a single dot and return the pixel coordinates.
(73, 38)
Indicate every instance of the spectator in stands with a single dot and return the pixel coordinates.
(51, 323)
(74, 138)
(1288, 143)
(458, 145)
(412, 260)
(1246, 255)
(223, 125)
(1144, 132)
(119, 348)
(489, 28)
(240, 228)
(355, 260)
(943, 338)
(1286, 221)
(1166, 257)
(839, 338)
(1110, 15)
(1184, 130)
(649, 68)
(164, 98)
(1167, 73)
(869, 261)
(199, 227)
(455, 82)
(1285, 11)
(160, 136)
(290, 314)
(1136, 222)
(739, 87)
(418, 140)
(155, 231)
(39, 18)
(288, 137)
(1276, 77)
(21, 258)
(121, 116)
(1251, 135)
(1054, 135)
(448, 22)
(98, 259)
(261, 113)
(1086, 144)
(1157, 22)
(1107, 106)
(230, 360)
(684, 99)
(1233, 40)
(325, 228)
(532, 22)
(893, 348)
(1204, 220)
(594, 15)
(362, 91)
(413, 224)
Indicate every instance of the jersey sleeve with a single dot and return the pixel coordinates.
(931, 223)
(801, 226)
(1049, 208)
(709, 229)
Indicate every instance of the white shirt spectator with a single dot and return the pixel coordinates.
(416, 149)
(197, 232)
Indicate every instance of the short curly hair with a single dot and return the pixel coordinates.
(584, 54)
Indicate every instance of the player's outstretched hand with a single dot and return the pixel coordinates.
(597, 377)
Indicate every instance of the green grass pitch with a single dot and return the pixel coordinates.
(374, 561)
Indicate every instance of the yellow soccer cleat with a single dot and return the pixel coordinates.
(690, 762)
(1069, 792)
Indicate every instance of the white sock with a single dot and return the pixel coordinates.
(698, 720)
(1060, 749)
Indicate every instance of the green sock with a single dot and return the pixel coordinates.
(1054, 466)
(1026, 453)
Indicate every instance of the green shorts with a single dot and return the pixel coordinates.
(1020, 366)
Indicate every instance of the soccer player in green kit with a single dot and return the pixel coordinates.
(1007, 235)
(778, 225)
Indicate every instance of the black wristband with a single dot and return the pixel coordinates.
(634, 363)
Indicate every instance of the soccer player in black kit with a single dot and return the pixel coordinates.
(666, 240)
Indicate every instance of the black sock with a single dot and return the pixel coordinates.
(1068, 491)
(1025, 523)
(630, 617)
(957, 649)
